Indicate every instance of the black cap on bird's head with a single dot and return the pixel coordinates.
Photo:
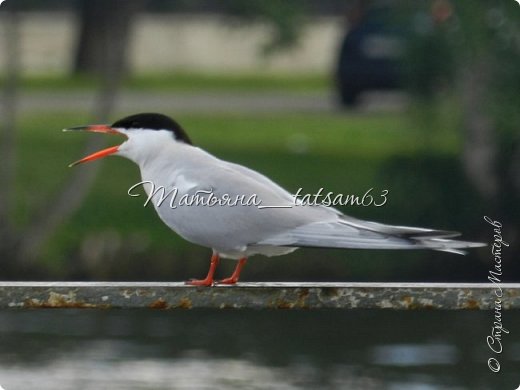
(152, 121)
(144, 121)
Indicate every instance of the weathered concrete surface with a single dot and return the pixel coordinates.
(162, 295)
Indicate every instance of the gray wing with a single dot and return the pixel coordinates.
(349, 232)
(231, 227)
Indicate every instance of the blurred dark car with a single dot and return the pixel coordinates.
(371, 56)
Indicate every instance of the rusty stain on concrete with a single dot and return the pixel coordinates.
(471, 304)
(160, 304)
(185, 303)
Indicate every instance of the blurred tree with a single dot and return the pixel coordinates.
(19, 249)
(106, 26)
(104, 35)
(476, 57)
(287, 18)
(69, 197)
(10, 22)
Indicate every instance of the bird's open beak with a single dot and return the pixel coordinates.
(96, 129)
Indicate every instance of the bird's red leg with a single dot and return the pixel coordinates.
(236, 273)
(208, 281)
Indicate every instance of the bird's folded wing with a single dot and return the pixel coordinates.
(367, 235)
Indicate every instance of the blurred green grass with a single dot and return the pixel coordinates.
(185, 82)
(343, 153)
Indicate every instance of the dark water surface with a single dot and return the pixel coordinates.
(246, 349)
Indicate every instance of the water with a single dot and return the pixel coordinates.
(364, 349)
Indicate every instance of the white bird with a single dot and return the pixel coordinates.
(167, 159)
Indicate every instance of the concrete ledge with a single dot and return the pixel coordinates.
(175, 295)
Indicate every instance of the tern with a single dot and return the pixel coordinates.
(275, 225)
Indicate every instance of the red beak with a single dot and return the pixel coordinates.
(95, 129)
